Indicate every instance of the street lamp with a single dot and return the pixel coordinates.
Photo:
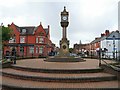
(114, 47)
(99, 53)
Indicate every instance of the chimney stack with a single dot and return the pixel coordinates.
(8, 25)
(96, 38)
(102, 34)
(107, 32)
(117, 31)
(48, 27)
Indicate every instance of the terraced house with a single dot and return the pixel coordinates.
(29, 41)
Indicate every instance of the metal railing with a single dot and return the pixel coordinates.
(111, 55)
(115, 60)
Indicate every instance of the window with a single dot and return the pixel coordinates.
(23, 31)
(36, 49)
(31, 49)
(41, 50)
(41, 34)
(41, 40)
(36, 39)
(22, 39)
(12, 40)
(21, 49)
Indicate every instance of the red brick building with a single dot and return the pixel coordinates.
(29, 41)
(95, 44)
(91, 47)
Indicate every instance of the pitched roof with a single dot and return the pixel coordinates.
(27, 30)
(46, 30)
(112, 33)
(96, 40)
(17, 27)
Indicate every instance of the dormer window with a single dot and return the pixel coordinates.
(23, 31)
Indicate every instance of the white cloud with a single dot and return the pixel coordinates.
(112, 28)
(11, 3)
(88, 18)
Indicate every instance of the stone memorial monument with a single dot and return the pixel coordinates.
(64, 55)
(64, 43)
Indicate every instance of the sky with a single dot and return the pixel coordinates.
(87, 18)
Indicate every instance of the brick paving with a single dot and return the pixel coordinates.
(55, 75)
(39, 63)
(33, 84)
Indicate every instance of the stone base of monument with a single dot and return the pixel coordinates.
(64, 59)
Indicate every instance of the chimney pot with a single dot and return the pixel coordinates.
(117, 31)
(107, 32)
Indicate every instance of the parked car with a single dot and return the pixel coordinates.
(73, 54)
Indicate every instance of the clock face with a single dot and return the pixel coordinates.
(64, 17)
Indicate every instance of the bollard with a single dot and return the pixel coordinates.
(116, 55)
(14, 60)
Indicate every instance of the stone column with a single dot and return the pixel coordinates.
(64, 32)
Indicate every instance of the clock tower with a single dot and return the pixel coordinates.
(64, 55)
(64, 43)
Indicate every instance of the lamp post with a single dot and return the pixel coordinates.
(14, 49)
(114, 47)
(99, 52)
(14, 56)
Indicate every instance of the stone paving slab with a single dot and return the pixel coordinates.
(32, 84)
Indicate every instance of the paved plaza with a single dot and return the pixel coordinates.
(40, 63)
(30, 84)
(19, 77)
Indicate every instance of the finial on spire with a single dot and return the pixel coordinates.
(64, 7)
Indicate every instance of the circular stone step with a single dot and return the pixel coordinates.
(47, 70)
(17, 84)
(84, 77)
(64, 59)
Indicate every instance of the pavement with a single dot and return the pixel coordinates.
(34, 84)
(39, 63)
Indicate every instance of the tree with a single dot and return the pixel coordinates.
(6, 35)
(70, 50)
